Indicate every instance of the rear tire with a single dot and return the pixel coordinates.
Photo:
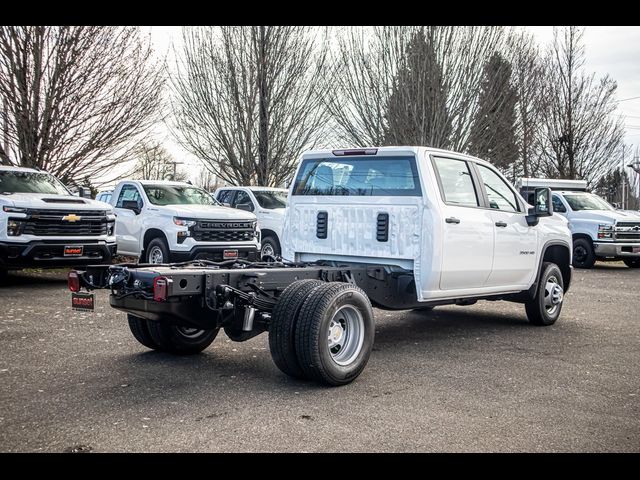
(283, 326)
(545, 308)
(334, 334)
(140, 329)
(180, 340)
(3, 276)
(157, 252)
(632, 262)
(583, 254)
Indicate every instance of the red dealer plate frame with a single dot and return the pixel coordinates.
(230, 254)
(73, 250)
(83, 302)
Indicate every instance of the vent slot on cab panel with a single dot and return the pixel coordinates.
(382, 228)
(321, 225)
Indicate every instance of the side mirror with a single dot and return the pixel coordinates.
(84, 192)
(245, 206)
(131, 205)
(542, 207)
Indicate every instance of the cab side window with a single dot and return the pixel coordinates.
(501, 197)
(558, 206)
(243, 198)
(225, 196)
(455, 182)
(129, 192)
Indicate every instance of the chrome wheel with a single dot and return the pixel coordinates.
(267, 250)
(553, 295)
(345, 335)
(155, 255)
(188, 332)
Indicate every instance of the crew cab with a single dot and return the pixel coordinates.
(268, 204)
(43, 225)
(162, 221)
(392, 227)
(600, 232)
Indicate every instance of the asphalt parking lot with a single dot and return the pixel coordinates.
(475, 378)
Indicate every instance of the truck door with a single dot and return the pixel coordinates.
(467, 240)
(514, 257)
(128, 222)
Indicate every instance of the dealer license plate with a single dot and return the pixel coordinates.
(73, 251)
(230, 254)
(82, 302)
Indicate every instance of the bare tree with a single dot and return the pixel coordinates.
(492, 135)
(583, 137)
(369, 60)
(74, 98)
(527, 79)
(154, 162)
(208, 180)
(248, 100)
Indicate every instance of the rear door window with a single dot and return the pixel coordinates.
(361, 176)
(455, 182)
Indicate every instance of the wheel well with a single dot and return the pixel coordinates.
(270, 233)
(576, 236)
(560, 255)
(150, 235)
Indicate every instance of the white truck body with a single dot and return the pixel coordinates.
(483, 251)
(42, 224)
(268, 206)
(188, 230)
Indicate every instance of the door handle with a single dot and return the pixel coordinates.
(452, 220)
(501, 224)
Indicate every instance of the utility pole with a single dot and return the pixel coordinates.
(623, 182)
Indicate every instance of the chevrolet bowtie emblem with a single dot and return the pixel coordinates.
(72, 217)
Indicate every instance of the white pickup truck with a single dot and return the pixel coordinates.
(392, 227)
(161, 221)
(600, 232)
(269, 205)
(43, 225)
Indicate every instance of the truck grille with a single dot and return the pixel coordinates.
(49, 223)
(627, 231)
(218, 231)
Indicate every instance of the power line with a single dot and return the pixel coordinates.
(625, 99)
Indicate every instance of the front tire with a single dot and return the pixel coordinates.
(334, 334)
(157, 252)
(544, 309)
(270, 247)
(283, 326)
(583, 254)
(632, 262)
(180, 340)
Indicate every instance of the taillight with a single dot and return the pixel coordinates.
(160, 288)
(355, 151)
(73, 281)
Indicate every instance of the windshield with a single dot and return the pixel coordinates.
(12, 181)
(587, 201)
(178, 195)
(271, 199)
(358, 176)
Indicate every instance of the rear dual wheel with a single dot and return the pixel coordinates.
(326, 333)
(178, 340)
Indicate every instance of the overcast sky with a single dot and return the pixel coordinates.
(609, 50)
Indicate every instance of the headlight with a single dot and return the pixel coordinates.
(14, 209)
(605, 230)
(183, 222)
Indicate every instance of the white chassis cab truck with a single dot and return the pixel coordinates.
(269, 205)
(43, 225)
(161, 222)
(600, 232)
(392, 227)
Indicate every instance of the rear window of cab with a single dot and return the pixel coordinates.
(361, 176)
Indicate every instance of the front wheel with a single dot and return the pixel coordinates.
(334, 333)
(157, 252)
(270, 247)
(583, 254)
(544, 309)
(632, 262)
(180, 340)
